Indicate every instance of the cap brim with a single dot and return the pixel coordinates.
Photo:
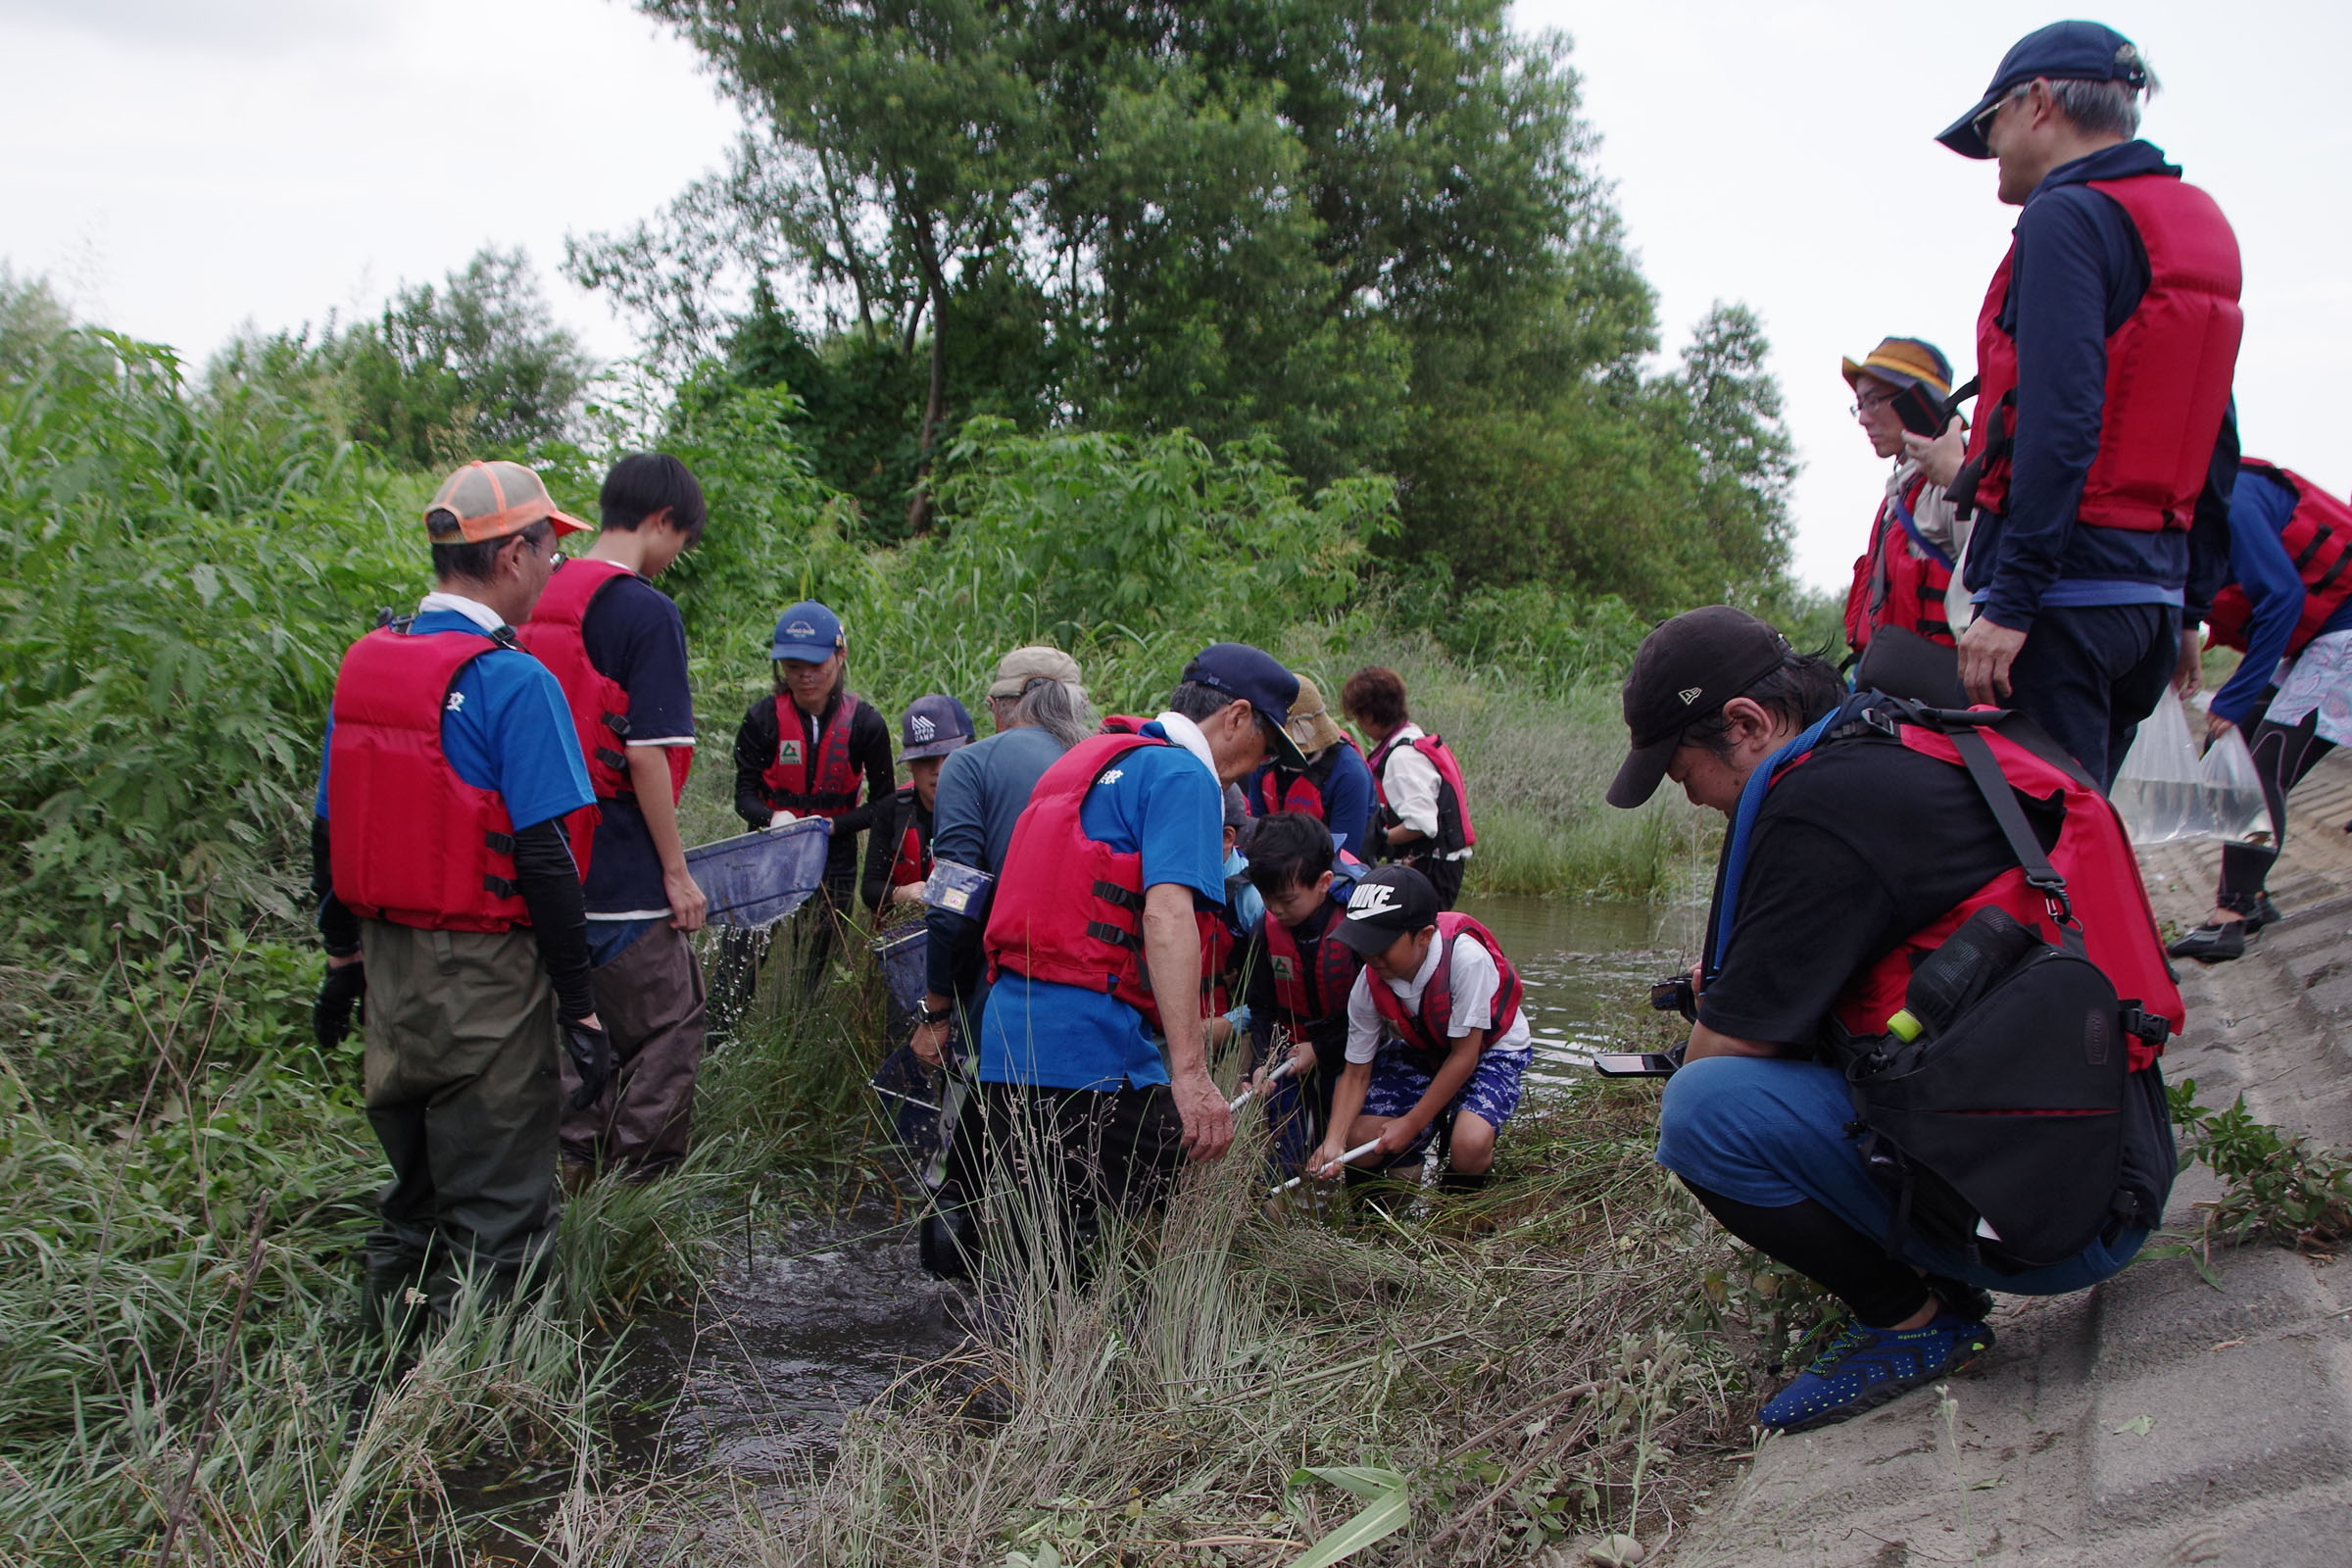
(1900, 380)
(1281, 749)
(954, 743)
(1638, 776)
(1961, 134)
(1363, 937)
(806, 652)
(566, 522)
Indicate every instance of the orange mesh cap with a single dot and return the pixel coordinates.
(491, 500)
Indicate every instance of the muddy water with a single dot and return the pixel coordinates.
(821, 1317)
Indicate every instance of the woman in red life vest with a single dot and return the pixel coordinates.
(898, 860)
(812, 749)
(1904, 576)
(1422, 818)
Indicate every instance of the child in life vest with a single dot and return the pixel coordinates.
(1300, 976)
(1436, 1033)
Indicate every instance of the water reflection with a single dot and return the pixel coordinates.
(1587, 966)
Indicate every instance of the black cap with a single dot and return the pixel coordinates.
(1391, 900)
(1685, 671)
(1257, 678)
(2063, 51)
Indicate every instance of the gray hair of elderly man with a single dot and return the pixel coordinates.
(1060, 708)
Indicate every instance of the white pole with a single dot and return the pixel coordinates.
(1348, 1159)
(1273, 1078)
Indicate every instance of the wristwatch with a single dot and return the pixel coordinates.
(927, 1018)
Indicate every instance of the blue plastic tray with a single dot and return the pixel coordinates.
(756, 879)
(902, 954)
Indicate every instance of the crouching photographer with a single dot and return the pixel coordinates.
(1926, 1020)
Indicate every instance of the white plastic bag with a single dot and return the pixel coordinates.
(2167, 793)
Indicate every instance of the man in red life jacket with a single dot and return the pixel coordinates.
(1095, 951)
(618, 648)
(898, 859)
(1436, 1032)
(449, 898)
(1902, 578)
(1424, 815)
(2105, 349)
(1854, 850)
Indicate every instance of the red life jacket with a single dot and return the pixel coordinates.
(823, 785)
(1309, 993)
(913, 862)
(1454, 829)
(1427, 1031)
(600, 705)
(1900, 580)
(2169, 368)
(2093, 854)
(2319, 540)
(1279, 790)
(1217, 940)
(413, 843)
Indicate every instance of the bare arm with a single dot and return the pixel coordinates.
(1172, 959)
(1461, 1060)
(1347, 1103)
(649, 775)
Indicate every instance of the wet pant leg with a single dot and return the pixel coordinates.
(650, 999)
(462, 1088)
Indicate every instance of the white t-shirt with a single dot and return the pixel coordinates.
(1411, 782)
(1475, 978)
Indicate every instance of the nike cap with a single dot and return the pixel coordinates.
(1685, 671)
(1391, 900)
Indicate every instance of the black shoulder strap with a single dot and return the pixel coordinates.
(1976, 753)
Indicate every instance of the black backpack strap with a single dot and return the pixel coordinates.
(1975, 754)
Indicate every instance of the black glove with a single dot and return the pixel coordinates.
(341, 994)
(591, 1053)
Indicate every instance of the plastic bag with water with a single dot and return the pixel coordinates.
(2168, 793)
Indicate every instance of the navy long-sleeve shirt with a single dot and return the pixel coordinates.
(2259, 510)
(2080, 271)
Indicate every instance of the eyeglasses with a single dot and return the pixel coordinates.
(1982, 123)
(1862, 405)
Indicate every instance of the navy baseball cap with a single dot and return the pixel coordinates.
(2063, 51)
(1387, 903)
(808, 632)
(1257, 678)
(933, 726)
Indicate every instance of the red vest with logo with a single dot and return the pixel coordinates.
(1309, 991)
(913, 862)
(600, 705)
(413, 843)
(2168, 367)
(1454, 829)
(2102, 879)
(2319, 540)
(1896, 583)
(1069, 909)
(823, 785)
(1427, 1031)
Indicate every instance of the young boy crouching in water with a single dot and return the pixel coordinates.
(1300, 975)
(1438, 984)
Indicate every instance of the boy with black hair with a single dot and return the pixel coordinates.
(1436, 1033)
(1301, 974)
(616, 645)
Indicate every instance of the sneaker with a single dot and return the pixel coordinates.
(1864, 1368)
(2215, 942)
(2264, 913)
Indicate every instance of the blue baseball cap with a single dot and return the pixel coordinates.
(1257, 678)
(933, 726)
(808, 632)
(2063, 51)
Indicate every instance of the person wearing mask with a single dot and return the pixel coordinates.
(1862, 843)
(814, 749)
(898, 855)
(2287, 608)
(452, 806)
(1094, 920)
(1336, 786)
(2105, 349)
(615, 644)
(1038, 704)
(1225, 936)
(1424, 811)
(1905, 576)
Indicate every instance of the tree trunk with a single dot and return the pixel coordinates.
(935, 283)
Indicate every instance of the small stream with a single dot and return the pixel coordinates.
(820, 1317)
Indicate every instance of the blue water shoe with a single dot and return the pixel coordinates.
(1864, 1368)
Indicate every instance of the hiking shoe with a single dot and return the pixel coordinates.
(1864, 1368)
(2215, 943)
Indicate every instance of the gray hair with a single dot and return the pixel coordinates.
(1059, 707)
(2100, 108)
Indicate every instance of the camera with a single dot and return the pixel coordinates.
(1675, 995)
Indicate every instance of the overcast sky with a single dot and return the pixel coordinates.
(180, 166)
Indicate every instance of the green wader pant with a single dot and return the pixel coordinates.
(463, 1093)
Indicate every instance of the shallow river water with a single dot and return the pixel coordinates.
(820, 1317)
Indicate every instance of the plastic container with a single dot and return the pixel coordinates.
(902, 956)
(756, 879)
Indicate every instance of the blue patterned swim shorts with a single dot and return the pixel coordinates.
(1492, 1094)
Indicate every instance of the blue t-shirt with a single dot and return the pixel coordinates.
(1159, 801)
(507, 728)
(634, 636)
